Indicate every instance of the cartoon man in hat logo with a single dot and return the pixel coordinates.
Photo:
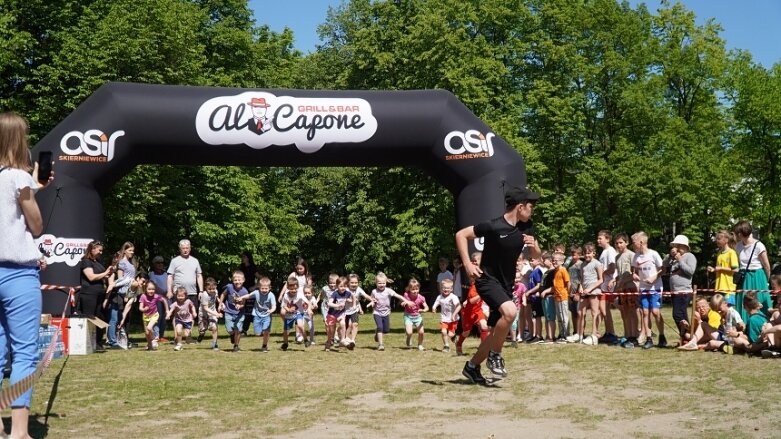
(259, 123)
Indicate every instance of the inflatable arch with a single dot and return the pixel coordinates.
(122, 125)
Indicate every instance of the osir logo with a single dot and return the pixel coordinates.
(57, 250)
(89, 146)
(471, 144)
(260, 120)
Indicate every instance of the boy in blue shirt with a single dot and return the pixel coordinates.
(265, 305)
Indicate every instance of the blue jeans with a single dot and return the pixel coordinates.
(113, 320)
(20, 318)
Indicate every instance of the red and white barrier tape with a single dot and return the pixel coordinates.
(678, 293)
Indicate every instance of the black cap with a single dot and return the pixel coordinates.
(516, 195)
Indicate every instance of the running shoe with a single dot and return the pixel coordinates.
(473, 374)
(496, 364)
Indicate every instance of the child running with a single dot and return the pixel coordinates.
(265, 305)
(380, 300)
(147, 304)
(183, 312)
(339, 301)
(208, 314)
(352, 315)
(412, 318)
(448, 317)
(472, 312)
(231, 306)
(290, 306)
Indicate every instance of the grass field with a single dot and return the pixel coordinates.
(552, 391)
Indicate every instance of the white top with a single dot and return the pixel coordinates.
(745, 252)
(16, 242)
(647, 265)
(356, 306)
(448, 305)
(607, 257)
(185, 273)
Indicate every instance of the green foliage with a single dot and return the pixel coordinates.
(627, 120)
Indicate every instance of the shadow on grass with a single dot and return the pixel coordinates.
(489, 382)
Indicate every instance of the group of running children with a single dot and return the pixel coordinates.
(545, 287)
(339, 303)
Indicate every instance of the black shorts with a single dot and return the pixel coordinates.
(537, 307)
(494, 295)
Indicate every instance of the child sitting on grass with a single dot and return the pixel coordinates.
(751, 340)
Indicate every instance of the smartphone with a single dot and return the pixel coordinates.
(44, 166)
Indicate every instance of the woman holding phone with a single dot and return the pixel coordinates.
(20, 286)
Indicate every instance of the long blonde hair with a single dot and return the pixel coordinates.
(14, 152)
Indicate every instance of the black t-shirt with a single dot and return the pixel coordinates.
(91, 287)
(502, 244)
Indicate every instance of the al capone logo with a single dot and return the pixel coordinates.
(57, 250)
(259, 120)
(89, 146)
(471, 144)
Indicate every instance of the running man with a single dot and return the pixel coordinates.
(505, 238)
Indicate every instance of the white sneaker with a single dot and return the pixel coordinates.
(178, 347)
(421, 348)
(591, 340)
(519, 339)
(574, 338)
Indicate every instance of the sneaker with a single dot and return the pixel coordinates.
(574, 338)
(591, 340)
(264, 349)
(350, 345)
(533, 340)
(548, 341)
(767, 353)
(236, 348)
(496, 364)
(409, 341)
(729, 350)
(284, 346)
(627, 344)
(473, 374)
(649, 343)
(641, 340)
(299, 339)
(215, 347)
(421, 348)
(100, 348)
(155, 345)
(327, 346)
(561, 340)
(178, 347)
(164, 340)
(662, 342)
(307, 343)
(446, 348)
(381, 347)
(200, 337)
(538, 340)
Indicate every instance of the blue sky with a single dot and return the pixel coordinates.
(748, 24)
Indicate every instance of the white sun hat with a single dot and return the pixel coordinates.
(681, 240)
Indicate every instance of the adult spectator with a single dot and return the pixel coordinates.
(752, 256)
(185, 271)
(93, 289)
(20, 286)
(159, 277)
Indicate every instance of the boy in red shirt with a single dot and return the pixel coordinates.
(472, 312)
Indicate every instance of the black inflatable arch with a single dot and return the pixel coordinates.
(122, 125)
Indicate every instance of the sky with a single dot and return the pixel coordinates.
(748, 24)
